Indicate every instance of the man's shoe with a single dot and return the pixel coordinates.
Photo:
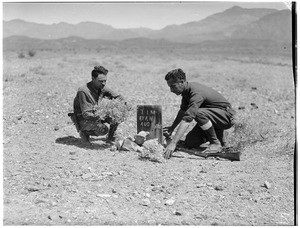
(213, 148)
(84, 136)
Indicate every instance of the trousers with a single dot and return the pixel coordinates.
(93, 128)
(221, 120)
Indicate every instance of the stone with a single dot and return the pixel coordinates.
(267, 185)
(170, 202)
(129, 145)
(140, 138)
(145, 202)
(103, 195)
(87, 175)
(219, 188)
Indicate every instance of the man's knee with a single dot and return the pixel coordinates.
(101, 129)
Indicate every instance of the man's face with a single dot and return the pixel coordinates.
(176, 86)
(100, 81)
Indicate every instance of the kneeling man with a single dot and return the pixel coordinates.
(211, 111)
(86, 99)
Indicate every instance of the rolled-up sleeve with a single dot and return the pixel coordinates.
(87, 109)
(110, 94)
(192, 106)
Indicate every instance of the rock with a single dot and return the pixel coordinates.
(103, 195)
(107, 174)
(87, 175)
(241, 107)
(170, 202)
(129, 145)
(56, 128)
(145, 202)
(219, 188)
(177, 213)
(254, 88)
(244, 193)
(254, 105)
(140, 138)
(72, 152)
(32, 189)
(267, 185)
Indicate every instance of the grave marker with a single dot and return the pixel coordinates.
(149, 118)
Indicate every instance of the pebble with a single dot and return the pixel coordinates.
(219, 188)
(177, 213)
(103, 195)
(107, 174)
(87, 175)
(146, 202)
(170, 202)
(267, 185)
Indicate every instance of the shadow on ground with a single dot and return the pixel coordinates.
(72, 141)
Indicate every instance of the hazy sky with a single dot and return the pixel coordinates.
(155, 15)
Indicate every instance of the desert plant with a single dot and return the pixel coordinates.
(21, 55)
(31, 53)
(116, 110)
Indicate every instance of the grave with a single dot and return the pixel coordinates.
(149, 118)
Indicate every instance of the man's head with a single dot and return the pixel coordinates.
(99, 77)
(176, 79)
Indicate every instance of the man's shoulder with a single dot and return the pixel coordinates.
(83, 88)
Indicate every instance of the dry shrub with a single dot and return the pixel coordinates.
(31, 53)
(115, 110)
(246, 132)
(21, 55)
(152, 151)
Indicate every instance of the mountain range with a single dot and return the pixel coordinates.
(233, 23)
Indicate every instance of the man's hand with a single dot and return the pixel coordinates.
(167, 132)
(169, 150)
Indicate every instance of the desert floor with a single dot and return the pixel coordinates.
(52, 178)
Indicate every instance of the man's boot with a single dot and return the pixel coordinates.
(221, 136)
(111, 132)
(215, 145)
(84, 136)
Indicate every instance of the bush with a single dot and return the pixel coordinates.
(31, 53)
(116, 110)
(21, 55)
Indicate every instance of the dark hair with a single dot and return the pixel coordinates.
(99, 70)
(176, 74)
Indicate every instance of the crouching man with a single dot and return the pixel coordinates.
(211, 111)
(87, 97)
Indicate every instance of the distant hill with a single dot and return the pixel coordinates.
(233, 23)
(215, 27)
(276, 26)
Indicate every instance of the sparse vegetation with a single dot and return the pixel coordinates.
(31, 53)
(21, 55)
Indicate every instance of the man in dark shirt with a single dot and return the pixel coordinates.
(211, 111)
(86, 99)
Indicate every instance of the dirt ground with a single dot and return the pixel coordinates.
(50, 177)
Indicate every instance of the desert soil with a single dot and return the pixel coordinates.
(50, 177)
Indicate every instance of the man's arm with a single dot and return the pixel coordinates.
(183, 126)
(109, 93)
(177, 120)
(87, 108)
